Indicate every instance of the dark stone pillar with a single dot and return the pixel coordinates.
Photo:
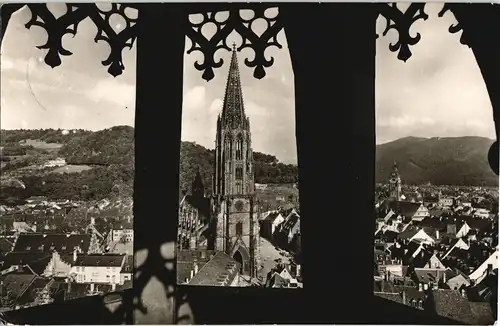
(332, 48)
(160, 53)
(480, 28)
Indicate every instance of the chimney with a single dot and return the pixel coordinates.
(437, 234)
(420, 287)
(426, 287)
(91, 287)
(195, 268)
(75, 255)
(404, 296)
(113, 287)
(463, 293)
(298, 270)
(192, 274)
(444, 277)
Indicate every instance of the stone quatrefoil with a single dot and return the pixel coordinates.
(235, 21)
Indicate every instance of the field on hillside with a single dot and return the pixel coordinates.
(72, 169)
(39, 144)
(271, 196)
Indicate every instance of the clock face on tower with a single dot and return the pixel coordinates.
(238, 205)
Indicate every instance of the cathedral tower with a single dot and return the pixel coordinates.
(395, 184)
(233, 183)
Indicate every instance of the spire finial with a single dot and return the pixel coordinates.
(234, 46)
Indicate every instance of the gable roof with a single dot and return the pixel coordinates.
(5, 245)
(122, 224)
(271, 217)
(31, 291)
(451, 304)
(219, 271)
(62, 243)
(405, 208)
(409, 233)
(36, 261)
(427, 276)
(422, 258)
(276, 280)
(434, 223)
(290, 221)
(482, 313)
(100, 260)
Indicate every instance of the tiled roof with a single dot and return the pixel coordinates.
(474, 222)
(422, 258)
(426, 275)
(122, 224)
(219, 271)
(436, 212)
(31, 292)
(75, 290)
(37, 261)
(271, 217)
(384, 286)
(62, 243)
(482, 312)
(5, 245)
(408, 233)
(276, 281)
(451, 304)
(390, 236)
(17, 284)
(100, 260)
(290, 221)
(405, 208)
(396, 297)
(433, 223)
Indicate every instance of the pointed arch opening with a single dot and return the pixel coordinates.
(218, 116)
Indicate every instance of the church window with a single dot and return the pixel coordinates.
(239, 173)
(239, 228)
(239, 148)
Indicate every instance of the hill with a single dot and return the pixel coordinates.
(104, 147)
(100, 163)
(267, 167)
(443, 161)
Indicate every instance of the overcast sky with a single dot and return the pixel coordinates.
(438, 92)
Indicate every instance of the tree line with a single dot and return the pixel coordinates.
(267, 168)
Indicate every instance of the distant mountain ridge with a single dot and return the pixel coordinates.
(438, 160)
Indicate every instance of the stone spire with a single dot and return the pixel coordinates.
(197, 187)
(233, 111)
(395, 171)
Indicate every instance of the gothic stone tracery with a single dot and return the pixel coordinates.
(236, 21)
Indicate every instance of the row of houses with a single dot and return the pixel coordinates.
(445, 264)
(282, 228)
(54, 259)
